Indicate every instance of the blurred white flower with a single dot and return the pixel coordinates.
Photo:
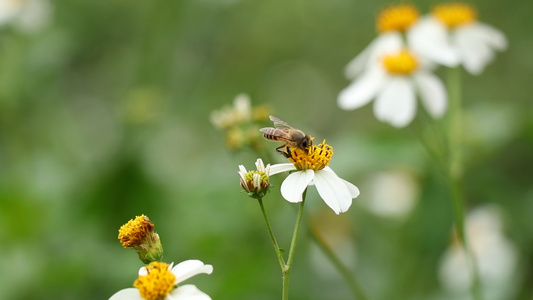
(228, 117)
(312, 169)
(456, 25)
(392, 193)
(495, 255)
(394, 83)
(28, 15)
(392, 24)
(159, 280)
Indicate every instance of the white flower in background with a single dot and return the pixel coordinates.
(311, 168)
(392, 193)
(392, 24)
(28, 15)
(394, 83)
(159, 281)
(228, 117)
(496, 257)
(456, 25)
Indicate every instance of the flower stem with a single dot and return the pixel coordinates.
(288, 265)
(455, 172)
(271, 233)
(350, 279)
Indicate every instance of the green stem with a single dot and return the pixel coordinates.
(271, 233)
(455, 172)
(350, 279)
(287, 269)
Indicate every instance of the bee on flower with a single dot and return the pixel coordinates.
(310, 166)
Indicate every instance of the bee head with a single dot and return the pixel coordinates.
(306, 142)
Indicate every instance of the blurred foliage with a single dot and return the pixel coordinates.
(104, 115)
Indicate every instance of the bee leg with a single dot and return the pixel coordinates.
(285, 153)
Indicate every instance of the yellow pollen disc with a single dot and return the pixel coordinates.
(397, 18)
(454, 14)
(158, 283)
(403, 63)
(315, 158)
(135, 231)
(249, 177)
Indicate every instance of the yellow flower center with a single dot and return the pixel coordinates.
(402, 63)
(135, 231)
(316, 157)
(454, 14)
(158, 283)
(397, 18)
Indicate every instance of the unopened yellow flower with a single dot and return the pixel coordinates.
(139, 234)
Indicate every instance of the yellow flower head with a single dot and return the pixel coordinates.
(135, 231)
(315, 157)
(157, 283)
(454, 14)
(396, 18)
(139, 234)
(401, 63)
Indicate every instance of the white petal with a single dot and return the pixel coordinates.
(259, 165)
(354, 191)
(294, 185)
(362, 90)
(280, 168)
(474, 52)
(187, 292)
(143, 271)
(396, 104)
(127, 294)
(357, 65)
(333, 191)
(389, 42)
(242, 169)
(491, 35)
(429, 38)
(189, 268)
(432, 93)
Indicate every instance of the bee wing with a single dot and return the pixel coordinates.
(279, 123)
(266, 129)
(279, 133)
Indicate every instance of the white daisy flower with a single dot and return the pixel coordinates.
(394, 83)
(495, 254)
(255, 182)
(456, 25)
(159, 280)
(311, 168)
(392, 24)
(228, 116)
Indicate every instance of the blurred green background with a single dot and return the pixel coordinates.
(104, 115)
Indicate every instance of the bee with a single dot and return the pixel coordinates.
(283, 132)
